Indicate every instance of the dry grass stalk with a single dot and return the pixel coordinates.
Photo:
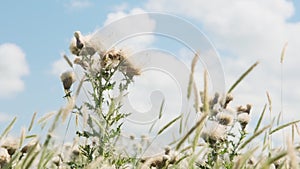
(283, 52)
(191, 79)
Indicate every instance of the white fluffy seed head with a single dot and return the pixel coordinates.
(243, 119)
(225, 118)
(68, 78)
(213, 132)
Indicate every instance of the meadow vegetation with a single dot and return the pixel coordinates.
(219, 139)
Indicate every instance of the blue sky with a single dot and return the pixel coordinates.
(242, 32)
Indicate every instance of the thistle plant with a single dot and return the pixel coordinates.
(104, 117)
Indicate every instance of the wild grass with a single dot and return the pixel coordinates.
(218, 139)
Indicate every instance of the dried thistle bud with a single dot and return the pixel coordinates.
(68, 78)
(158, 161)
(73, 48)
(246, 109)
(228, 99)
(82, 45)
(117, 58)
(79, 44)
(225, 118)
(132, 137)
(57, 160)
(11, 145)
(144, 139)
(213, 133)
(167, 150)
(215, 100)
(4, 157)
(75, 152)
(34, 144)
(243, 119)
(111, 59)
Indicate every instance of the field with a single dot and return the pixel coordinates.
(218, 139)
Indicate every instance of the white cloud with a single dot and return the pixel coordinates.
(132, 27)
(250, 31)
(13, 67)
(246, 31)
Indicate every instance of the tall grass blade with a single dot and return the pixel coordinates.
(284, 125)
(243, 158)
(22, 137)
(269, 101)
(8, 128)
(279, 118)
(181, 124)
(152, 126)
(283, 52)
(79, 86)
(68, 60)
(293, 133)
(45, 118)
(242, 77)
(169, 124)
(31, 136)
(197, 100)
(297, 129)
(205, 95)
(162, 105)
(267, 164)
(32, 121)
(205, 110)
(260, 119)
(199, 123)
(253, 137)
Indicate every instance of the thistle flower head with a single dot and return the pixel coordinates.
(4, 157)
(117, 58)
(73, 47)
(225, 118)
(11, 145)
(111, 59)
(246, 109)
(213, 132)
(68, 78)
